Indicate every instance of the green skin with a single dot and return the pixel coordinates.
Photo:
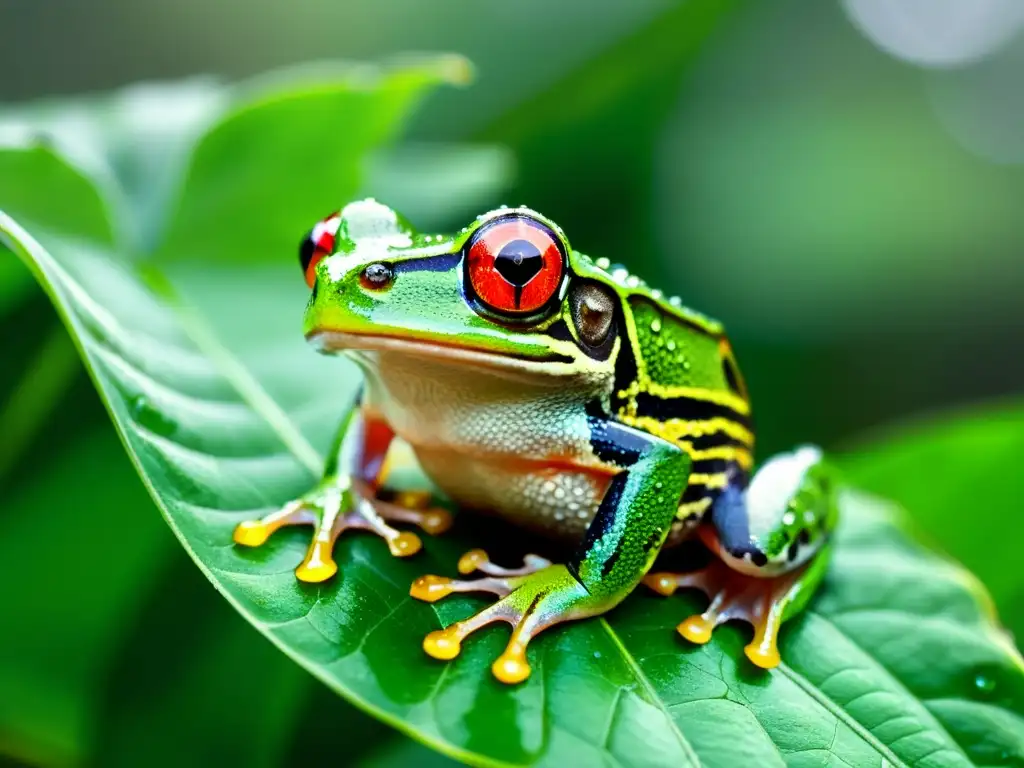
(637, 413)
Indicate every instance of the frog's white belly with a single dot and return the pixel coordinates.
(492, 441)
(557, 501)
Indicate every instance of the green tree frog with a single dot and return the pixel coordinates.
(563, 394)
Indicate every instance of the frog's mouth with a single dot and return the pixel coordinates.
(545, 362)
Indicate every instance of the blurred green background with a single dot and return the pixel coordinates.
(840, 182)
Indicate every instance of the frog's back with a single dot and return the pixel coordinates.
(678, 379)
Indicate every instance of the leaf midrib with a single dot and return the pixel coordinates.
(234, 372)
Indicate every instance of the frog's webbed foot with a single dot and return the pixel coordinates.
(763, 602)
(332, 509)
(499, 581)
(733, 596)
(537, 596)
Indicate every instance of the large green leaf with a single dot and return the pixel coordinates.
(897, 662)
(962, 480)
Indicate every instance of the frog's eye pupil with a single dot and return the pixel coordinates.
(515, 266)
(319, 242)
(519, 262)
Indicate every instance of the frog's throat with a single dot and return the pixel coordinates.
(550, 364)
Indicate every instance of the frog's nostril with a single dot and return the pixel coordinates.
(377, 277)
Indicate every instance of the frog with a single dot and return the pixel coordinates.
(560, 393)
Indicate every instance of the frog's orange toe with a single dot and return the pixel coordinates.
(511, 667)
(665, 584)
(318, 565)
(316, 573)
(251, 533)
(443, 644)
(431, 588)
(764, 654)
(472, 561)
(436, 521)
(412, 499)
(254, 533)
(405, 544)
(697, 629)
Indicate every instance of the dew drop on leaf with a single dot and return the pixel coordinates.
(984, 684)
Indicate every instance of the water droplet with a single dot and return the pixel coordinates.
(671, 345)
(656, 325)
(633, 281)
(984, 684)
(603, 263)
(656, 293)
(675, 301)
(597, 654)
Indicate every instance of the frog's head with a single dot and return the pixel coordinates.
(506, 292)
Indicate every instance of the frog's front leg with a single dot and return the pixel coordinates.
(772, 543)
(620, 545)
(345, 498)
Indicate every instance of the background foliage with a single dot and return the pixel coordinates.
(766, 161)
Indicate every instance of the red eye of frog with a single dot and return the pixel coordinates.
(515, 265)
(319, 242)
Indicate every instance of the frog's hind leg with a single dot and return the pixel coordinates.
(771, 541)
(622, 541)
(763, 602)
